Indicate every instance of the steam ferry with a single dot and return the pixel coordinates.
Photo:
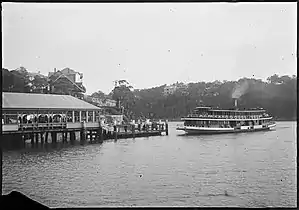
(208, 120)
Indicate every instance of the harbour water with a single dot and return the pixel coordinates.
(245, 170)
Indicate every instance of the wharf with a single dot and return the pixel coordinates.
(45, 117)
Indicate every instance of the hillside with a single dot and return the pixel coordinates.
(278, 95)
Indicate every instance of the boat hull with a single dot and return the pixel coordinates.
(201, 130)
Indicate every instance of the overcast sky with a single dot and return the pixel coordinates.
(151, 44)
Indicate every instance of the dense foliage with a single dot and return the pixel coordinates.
(278, 95)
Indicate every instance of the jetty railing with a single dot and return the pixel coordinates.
(87, 130)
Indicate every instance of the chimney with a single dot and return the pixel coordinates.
(236, 103)
(54, 70)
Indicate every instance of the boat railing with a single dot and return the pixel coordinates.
(226, 116)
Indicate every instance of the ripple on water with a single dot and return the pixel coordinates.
(248, 170)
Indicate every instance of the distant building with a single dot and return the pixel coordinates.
(74, 76)
(110, 102)
(170, 89)
(100, 102)
(67, 74)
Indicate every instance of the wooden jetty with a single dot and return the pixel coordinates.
(41, 117)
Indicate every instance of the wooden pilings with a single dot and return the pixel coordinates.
(83, 132)
(64, 137)
(94, 134)
(46, 137)
(36, 138)
(32, 138)
(166, 128)
(115, 132)
(54, 137)
(72, 136)
(42, 138)
(133, 131)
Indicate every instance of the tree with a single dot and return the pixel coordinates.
(99, 94)
(273, 79)
(7, 80)
(21, 82)
(124, 96)
(39, 84)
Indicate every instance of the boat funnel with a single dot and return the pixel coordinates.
(236, 103)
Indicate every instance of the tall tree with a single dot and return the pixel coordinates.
(99, 94)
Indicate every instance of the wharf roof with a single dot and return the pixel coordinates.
(25, 101)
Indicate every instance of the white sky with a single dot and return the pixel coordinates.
(151, 44)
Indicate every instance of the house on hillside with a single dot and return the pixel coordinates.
(66, 81)
(170, 89)
(110, 103)
(100, 102)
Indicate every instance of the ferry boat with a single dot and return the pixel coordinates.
(208, 120)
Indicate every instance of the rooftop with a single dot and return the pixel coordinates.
(12, 100)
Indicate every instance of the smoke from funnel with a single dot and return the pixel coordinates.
(240, 89)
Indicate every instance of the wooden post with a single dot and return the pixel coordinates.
(54, 137)
(64, 136)
(133, 131)
(146, 130)
(166, 127)
(90, 136)
(24, 140)
(32, 138)
(83, 132)
(36, 138)
(72, 136)
(42, 138)
(46, 138)
(73, 116)
(108, 134)
(100, 134)
(105, 134)
(115, 132)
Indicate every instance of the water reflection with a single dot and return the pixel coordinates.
(258, 169)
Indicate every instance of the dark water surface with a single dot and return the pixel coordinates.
(246, 170)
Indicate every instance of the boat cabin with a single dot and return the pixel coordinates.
(219, 118)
